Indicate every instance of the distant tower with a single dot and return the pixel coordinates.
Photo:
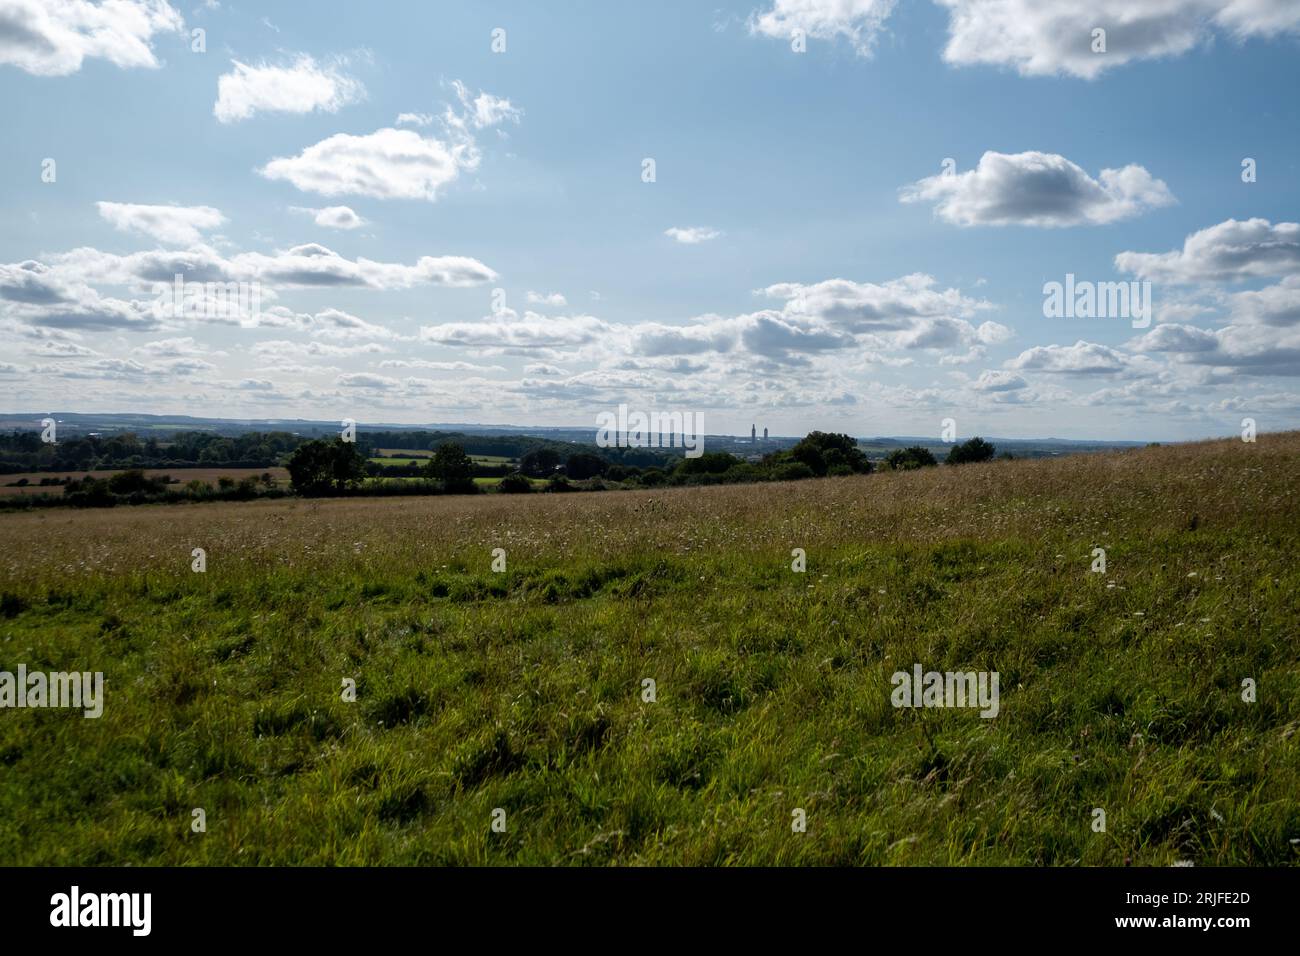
(753, 434)
(764, 433)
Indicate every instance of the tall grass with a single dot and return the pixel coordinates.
(523, 690)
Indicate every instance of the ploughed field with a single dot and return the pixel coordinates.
(520, 698)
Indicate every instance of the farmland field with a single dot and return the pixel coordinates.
(408, 456)
(524, 692)
(181, 475)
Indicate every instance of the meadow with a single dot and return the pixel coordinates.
(520, 695)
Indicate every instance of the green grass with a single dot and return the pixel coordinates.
(416, 457)
(522, 690)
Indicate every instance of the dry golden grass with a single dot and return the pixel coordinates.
(1220, 483)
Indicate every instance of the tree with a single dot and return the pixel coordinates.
(514, 484)
(583, 464)
(977, 449)
(133, 481)
(317, 467)
(451, 466)
(710, 463)
(912, 457)
(540, 462)
(830, 453)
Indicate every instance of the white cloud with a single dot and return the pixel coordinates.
(281, 348)
(1246, 348)
(439, 366)
(1230, 250)
(859, 307)
(184, 347)
(1049, 37)
(333, 217)
(990, 381)
(1043, 37)
(1276, 305)
(692, 235)
(368, 380)
(1038, 189)
(174, 225)
(857, 21)
(36, 294)
(483, 110)
(54, 37)
(386, 164)
(337, 324)
(299, 87)
(413, 119)
(833, 316)
(1263, 337)
(531, 332)
(553, 299)
(1081, 358)
(306, 265)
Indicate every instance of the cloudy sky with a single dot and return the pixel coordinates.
(835, 214)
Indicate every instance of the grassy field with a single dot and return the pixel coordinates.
(181, 475)
(523, 690)
(409, 456)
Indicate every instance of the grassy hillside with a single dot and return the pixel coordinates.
(522, 690)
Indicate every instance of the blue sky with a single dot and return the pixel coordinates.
(838, 278)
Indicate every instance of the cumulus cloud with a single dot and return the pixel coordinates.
(552, 299)
(1263, 337)
(893, 306)
(531, 332)
(990, 381)
(182, 347)
(857, 21)
(1081, 358)
(1043, 37)
(393, 163)
(33, 283)
(54, 37)
(306, 265)
(34, 293)
(298, 87)
(282, 348)
(1246, 349)
(367, 380)
(439, 366)
(386, 164)
(174, 225)
(1276, 305)
(1038, 189)
(1050, 37)
(691, 235)
(835, 315)
(1230, 250)
(333, 217)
